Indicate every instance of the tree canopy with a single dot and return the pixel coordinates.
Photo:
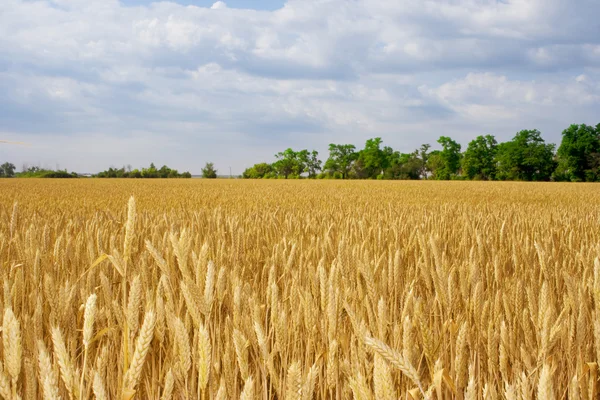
(341, 157)
(479, 160)
(7, 170)
(448, 159)
(526, 157)
(579, 154)
(209, 171)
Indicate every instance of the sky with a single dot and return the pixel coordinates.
(90, 84)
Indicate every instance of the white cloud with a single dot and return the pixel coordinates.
(219, 5)
(488, 88)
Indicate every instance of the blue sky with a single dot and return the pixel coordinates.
(96, 83)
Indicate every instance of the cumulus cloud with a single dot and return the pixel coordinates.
(234, 86)
(219, 5)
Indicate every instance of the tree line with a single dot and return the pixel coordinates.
(8, 170)
(208, 172)
(151, 172)
(527, 157)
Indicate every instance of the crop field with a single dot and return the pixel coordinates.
(196, 289)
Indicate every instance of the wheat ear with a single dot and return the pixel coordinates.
(395, 359)
(545, 388)
(248, 391)
(47, 375)
(294, 382)
(4, 385)
(11, 340)
(382, 379)
(64, 362)
(169, 384)
(142, 346)
(98, 387)
(88, 331)
(204, 357)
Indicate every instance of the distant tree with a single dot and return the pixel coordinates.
(435, 165)
(164, 172)
(371, 160)
(258, 171)
(526, 157)
(151, 172)
(358, 170)
(310, 162)
(449, 159)
(288, 163)
(314, 164)
(424, 156)
(209, 171)
(403, 166)
(341, 157)
(479, 158)
(7, 170)
(578, 154)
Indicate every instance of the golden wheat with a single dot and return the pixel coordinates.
(299, 290)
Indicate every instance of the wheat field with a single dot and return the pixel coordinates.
(299, 290)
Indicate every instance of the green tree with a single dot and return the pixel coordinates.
(288, 163)
(258, 171)
(341, 157)
(578, 153)
(424, 156)
(209, 171)
(163, 172)
(526, 157)
(7, 170)
(358, 169)
(150, 172)
(449, 158)
(479, 158)
(310, 162)
(403, 166)
(372, 159)
(435, 164)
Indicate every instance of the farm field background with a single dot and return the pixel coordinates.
(299, 289)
